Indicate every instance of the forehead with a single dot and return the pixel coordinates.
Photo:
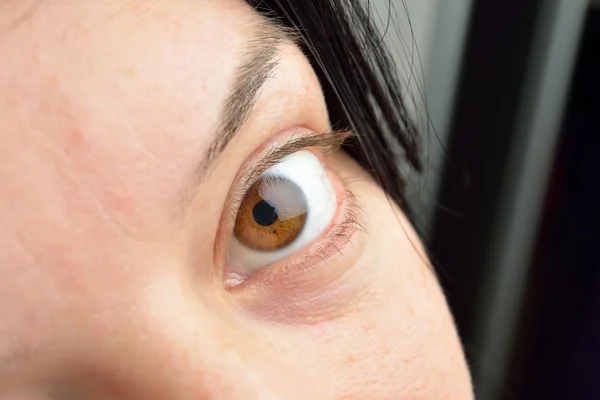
(93, 88)
(87, 70)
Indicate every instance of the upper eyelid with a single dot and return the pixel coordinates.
(325, 142)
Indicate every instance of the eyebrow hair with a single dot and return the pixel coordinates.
(259, 58)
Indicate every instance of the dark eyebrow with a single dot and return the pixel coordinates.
(259, 58)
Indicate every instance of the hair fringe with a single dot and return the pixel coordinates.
(362, 89)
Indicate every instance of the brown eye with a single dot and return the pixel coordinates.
(286, 209)
(271, 215)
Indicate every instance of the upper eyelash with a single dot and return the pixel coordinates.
(327, 143)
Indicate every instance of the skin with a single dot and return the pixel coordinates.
(112, 287)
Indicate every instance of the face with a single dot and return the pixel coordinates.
(172, 231)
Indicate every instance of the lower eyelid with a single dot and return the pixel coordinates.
(318, 290)
(331, 246)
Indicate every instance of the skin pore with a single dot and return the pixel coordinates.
(116, 229)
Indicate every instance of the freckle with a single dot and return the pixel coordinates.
(76, 141)
(350, 361)
(368, 327)
(129, 72)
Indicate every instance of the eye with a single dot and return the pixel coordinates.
(287, 207)
(272, 214)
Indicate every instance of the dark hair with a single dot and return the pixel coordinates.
(359, 80)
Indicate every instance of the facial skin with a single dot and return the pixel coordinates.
(113, 249)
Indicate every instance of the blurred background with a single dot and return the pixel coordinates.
(507, 95)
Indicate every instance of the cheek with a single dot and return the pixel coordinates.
(398, 338)
(397, 342)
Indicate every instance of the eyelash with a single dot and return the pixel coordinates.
(326, 144)
(343, 230)
(345, 224)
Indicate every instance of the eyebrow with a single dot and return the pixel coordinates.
(259, 58)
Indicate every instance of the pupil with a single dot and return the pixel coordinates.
(264, 214)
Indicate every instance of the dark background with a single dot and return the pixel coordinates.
(554, 351)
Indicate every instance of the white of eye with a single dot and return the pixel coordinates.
(305, 171)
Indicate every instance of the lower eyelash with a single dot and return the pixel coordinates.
(349, 225)
(339, 237)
